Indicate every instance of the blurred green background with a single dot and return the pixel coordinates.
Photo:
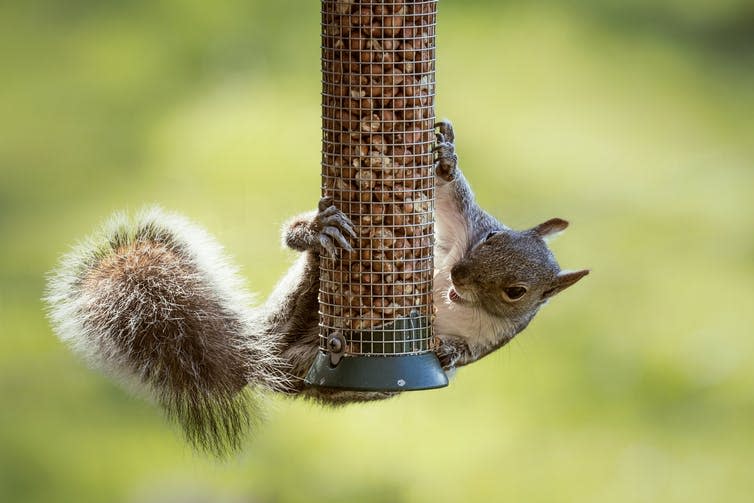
(634, 120)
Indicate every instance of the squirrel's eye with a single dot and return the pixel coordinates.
(513, 293)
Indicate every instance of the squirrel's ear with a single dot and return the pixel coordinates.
(552, 226)
(563, 281)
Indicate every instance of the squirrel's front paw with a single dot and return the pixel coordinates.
(450, 351)
(329, 225)
(446, 160)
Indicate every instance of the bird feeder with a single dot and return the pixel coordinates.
(378, 83)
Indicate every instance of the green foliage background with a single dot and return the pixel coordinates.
(634, 120)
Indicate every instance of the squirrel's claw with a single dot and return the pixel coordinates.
(331, 224)
(325, 203)
(450, 351)
(446, 161)
(335, 234)
(446, 130)
(339, 221)
(328, 245)
(333, 217)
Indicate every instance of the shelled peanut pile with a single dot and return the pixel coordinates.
(378, 118)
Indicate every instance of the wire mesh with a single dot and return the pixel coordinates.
(378, 85)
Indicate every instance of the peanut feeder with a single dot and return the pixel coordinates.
(378, 84)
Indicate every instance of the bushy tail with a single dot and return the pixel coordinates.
(154, 300)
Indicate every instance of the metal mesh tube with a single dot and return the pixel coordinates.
(378, 85)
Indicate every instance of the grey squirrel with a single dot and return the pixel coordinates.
(156, 302)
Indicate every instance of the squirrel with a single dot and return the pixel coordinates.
(157, 303)
(489, 280)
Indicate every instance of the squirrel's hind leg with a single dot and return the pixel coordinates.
(324, 230)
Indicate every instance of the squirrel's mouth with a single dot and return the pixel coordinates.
(455, 297)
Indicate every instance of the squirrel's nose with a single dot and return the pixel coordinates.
(460, 274)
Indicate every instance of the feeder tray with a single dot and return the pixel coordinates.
(376, 310)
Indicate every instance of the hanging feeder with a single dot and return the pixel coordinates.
(378, 81)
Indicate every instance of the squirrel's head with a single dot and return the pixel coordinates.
(511, 274)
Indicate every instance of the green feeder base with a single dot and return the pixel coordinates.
(378, 373)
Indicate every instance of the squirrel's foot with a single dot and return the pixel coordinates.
(446, 160)
(451, 351)
(330, 224)
(326, 230)
(446, 130)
